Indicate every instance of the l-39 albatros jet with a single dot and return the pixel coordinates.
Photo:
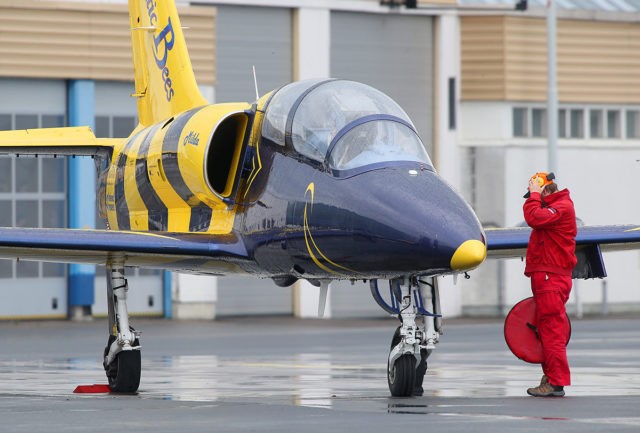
(317, 180)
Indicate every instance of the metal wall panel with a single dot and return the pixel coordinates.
(248, 36)
(355, 300)
(393, 53)
(252, 36)
(239, 296)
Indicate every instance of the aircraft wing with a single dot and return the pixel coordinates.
(590, 242)
(55, 141)
(184, 252)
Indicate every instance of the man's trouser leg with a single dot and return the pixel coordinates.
(551, 292)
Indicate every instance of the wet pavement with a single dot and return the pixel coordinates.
(285, 374)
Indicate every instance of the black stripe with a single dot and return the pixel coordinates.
(200, 212)
(171, 138)
(170, 158)
(200, 218)
(122, 209)
(158, 214)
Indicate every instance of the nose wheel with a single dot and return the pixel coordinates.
(415, 338)
(402, 376)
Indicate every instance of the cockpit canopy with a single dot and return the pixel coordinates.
(344, 124)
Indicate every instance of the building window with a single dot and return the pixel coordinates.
(122, 126)
(103, 126)
(596, 119)
(576, 123)
(5, 122)
(115, 126)
(633, 124)
(26, 121)
(613, 123)
(6, 213)
(539, 122)
(6, 179)
(562, 123)
(6, 269)
(52, 121)
(27, 175)
(53, 175)
(27, 269)
(26, 213)
(520, 128)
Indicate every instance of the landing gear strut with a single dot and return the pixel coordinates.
(122, 362)
(416, 337)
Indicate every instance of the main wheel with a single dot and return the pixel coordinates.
(124, 372)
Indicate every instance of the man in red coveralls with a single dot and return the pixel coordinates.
(550, 261)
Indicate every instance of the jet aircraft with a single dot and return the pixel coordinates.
(320, 180)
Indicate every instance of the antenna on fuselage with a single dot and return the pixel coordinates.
(255, 82)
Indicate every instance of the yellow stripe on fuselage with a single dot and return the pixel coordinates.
(179, 211)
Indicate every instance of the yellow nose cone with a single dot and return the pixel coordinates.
(468, 255)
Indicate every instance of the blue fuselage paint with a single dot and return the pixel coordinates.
(394, 220)
(82, 195)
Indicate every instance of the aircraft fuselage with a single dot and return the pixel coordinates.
(213, 170)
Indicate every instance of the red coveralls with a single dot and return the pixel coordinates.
(550, 261)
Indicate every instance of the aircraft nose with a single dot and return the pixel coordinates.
(470, 254)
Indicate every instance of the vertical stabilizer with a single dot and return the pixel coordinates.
(164, 80)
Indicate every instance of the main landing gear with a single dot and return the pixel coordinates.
(416, 337)
(122, 362)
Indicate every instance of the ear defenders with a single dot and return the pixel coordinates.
(543, 179)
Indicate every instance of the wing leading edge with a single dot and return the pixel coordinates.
(590, 242)
(184, 252)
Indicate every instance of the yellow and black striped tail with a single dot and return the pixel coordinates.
(164, 80)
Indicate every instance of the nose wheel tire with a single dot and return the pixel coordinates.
(124, 372)
(402, 376)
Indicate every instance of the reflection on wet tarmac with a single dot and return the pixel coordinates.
(313, 379)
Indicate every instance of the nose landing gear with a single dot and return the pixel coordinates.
(416, 337)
